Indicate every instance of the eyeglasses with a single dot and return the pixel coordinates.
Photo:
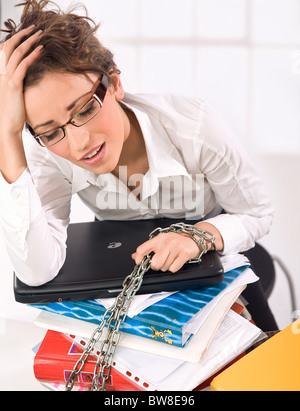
(84, 115)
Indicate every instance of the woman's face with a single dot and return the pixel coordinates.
(50, 102)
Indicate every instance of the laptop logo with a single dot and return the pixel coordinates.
(114, 245)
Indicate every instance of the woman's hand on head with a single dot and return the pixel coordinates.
(13, 69)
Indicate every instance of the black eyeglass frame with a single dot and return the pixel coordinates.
(98, 91)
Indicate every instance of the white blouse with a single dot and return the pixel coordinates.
(196, 169)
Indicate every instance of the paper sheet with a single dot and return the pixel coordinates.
(139, 302)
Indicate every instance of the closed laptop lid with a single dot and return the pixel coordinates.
(99, 258)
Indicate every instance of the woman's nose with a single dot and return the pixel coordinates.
(78, 138)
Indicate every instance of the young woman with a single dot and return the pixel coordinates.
(117, 151)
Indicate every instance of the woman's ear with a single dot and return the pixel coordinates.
(118, 90)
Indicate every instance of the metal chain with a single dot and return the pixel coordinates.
(112, 318)
(117, 313)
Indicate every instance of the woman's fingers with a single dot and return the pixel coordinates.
(17, 56)
(177, 263)
(22, 68)
(2, 62)
(143, 250)
(161, 260)
(11, 44)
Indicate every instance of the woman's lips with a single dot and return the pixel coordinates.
(99, 154)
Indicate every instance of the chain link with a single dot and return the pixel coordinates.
(117, 313)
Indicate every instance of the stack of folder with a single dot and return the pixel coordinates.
(175, 344)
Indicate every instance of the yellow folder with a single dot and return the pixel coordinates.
(273, 366)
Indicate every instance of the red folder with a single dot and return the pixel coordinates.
(57, 357)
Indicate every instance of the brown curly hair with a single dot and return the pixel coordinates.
(69, 40)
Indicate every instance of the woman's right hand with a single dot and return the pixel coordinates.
(13, 69)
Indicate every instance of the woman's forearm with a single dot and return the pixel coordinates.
(12, 157)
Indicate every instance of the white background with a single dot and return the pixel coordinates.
(243, 56)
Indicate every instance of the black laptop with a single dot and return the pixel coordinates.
(99, 258)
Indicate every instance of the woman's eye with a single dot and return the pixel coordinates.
(87, 111)
(50, 136)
